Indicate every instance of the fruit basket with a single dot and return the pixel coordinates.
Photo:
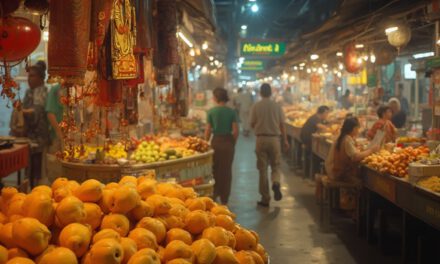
(135, 220)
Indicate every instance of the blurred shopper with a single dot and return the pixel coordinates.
(404, 104)
(314, 124)
(267, 120)
(345, 100)
(35, 117)
(287, 97)
(399, 117)
(384, 125)
(243, 103)
(222, 124)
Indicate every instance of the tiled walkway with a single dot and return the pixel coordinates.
(289, 229)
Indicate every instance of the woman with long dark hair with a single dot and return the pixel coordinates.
(344, 156)
(222, 125)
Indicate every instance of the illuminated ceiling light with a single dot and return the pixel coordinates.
(438, 42)
(359, 46)
(205, 45)
(391, 30)
(270, 78)
(285, 76)
(341, 66)
(325, 66)
(198, 67)
(339, 54)
(314, 56)
(216, 62)
(339, 74)
(192, 52)
(193, 64)
(292, 79)
(241, 59)
(295, 68)
(255, 8)
(185, 39)
(211, 58)
(339, 88)
(372, 58)
(302, 64)
(244, 27)
(314, 69)
(320, 71)
(301, 68)
(359, 60)
(423, 55)
(365, 58)
(252, 0)
(204, 69)
(309, 71)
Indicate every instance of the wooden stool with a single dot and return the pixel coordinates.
(329, 198)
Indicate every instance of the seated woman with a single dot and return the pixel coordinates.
(344, 157)
(399, 117)
(384, 124)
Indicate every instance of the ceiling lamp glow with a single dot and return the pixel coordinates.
(339, 54)
(185, 39)
(438, 42)
(359, 46)
(244, 27)
(372, 58)
(314, 56)
(302, 64)
(391, 30)
(192, 52)
(255, 8)
(205, 45)
(423, 55)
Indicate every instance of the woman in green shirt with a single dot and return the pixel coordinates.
(222, 125)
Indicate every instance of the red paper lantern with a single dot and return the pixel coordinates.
(351, 59)
(8, 7)
(19, 37)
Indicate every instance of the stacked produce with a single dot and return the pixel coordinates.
(137, 220)
(396, 163)
(431, 183)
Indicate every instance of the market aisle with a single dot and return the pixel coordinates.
(289, 229)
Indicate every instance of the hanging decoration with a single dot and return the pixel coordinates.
(385, 54)
(400, 37)
(8, 7)
(351, 58)
(166, 30)
(39, 7)
(69, 38)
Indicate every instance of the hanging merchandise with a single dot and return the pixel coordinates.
(123, 40)
(166, 30)
(100, 21)
(144, 23)
(351, 58)
(400, 37)
(37, 6)
(69, 32)
(8, 6)
(385, 54)
(20, 37)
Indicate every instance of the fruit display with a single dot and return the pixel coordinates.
(148, 152)
(431, 183)
(133, 221)
(396, 162)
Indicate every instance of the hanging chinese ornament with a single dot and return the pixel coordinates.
(351, 58)
(400, 37)
(19, 38)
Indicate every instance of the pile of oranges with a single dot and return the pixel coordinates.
(134, 221)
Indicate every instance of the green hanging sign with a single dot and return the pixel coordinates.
(252, 65)
(252, 48)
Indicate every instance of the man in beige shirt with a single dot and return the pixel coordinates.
(267, 120)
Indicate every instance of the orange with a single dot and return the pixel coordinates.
(44, 189)
(226, 222)
(171, 221)
(93, 215)
(177, 194)
(59, 255)
(179, 261)
(17, 252)
(245, 240)
(143, 209)
(89, 191)
(15, 217)
(3, 255)
(262, 252)
(59, 182)
(174, 201)
(20, 260)
(244, 257)
(70, 210)
(6, 238)
(107, 200)
(196, 222)
(3, 218)
(108, 251)
(161, 253)
(106, 234)
(189, 192)
(128, 179)
(160, 203)
(39, 205)
(225, 255)
(145, 256)
(257, 258)
(179, 234)
(195, 204)
(117, 222)
(255, 234)
(178, 249)
(146, 188)
(111, 186)
(217, 235)
(60, 193)
(124, 200)
(163, 188)
(130, 248)
(178, 210)
(15, 204)
(209, 203)
(31, 235)
(72, 185)
(222, 210)
(155, 226)
(143, 238)
(76, 237)
(204, 251)
(232, 240)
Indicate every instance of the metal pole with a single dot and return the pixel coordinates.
(416, 99)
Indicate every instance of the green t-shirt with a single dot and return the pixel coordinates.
(54, 106)
(221, 118)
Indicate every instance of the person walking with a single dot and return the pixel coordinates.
(267, 120)
(244, 104)
(223, 128)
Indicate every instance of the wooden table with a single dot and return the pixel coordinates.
(14, 160)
